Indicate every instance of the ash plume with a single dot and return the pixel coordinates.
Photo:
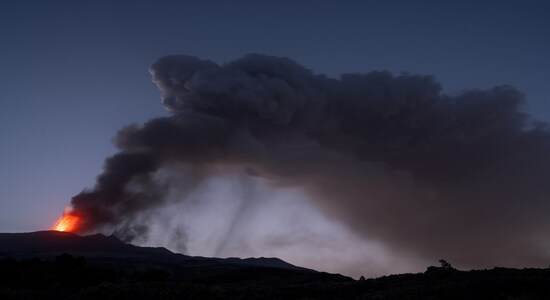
(462, 177)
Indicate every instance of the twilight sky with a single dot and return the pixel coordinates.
(75, 72)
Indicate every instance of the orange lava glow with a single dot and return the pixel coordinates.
(68, 222)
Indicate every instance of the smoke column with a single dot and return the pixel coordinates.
(462, 177)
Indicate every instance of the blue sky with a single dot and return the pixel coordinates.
(74, 72)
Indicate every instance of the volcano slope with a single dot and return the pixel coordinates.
(57, 265)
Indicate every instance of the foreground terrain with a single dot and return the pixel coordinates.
(54, 265)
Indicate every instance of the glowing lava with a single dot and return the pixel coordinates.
(67, 222)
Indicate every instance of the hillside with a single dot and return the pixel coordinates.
(54, 265)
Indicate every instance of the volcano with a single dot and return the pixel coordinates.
(110, 250)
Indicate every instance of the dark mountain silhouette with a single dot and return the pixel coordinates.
(101, 248)
(57, 265)
(44, 243)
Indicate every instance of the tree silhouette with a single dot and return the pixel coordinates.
(445, 264)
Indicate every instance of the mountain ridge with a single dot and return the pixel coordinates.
(49, 265)
(100, 247)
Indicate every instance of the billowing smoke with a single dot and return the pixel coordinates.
(461, 177)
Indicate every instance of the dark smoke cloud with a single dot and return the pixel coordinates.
(461, 177)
